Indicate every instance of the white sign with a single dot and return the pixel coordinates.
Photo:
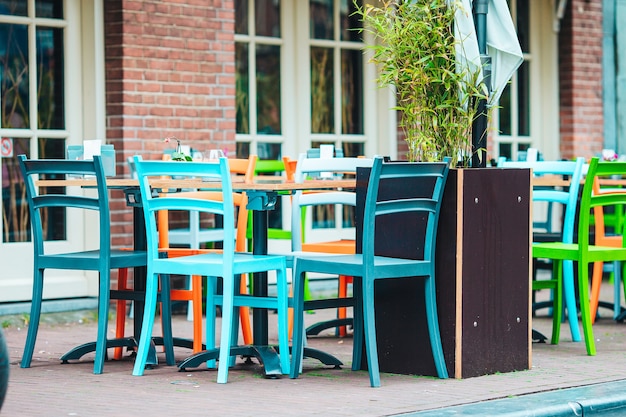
(6, 147)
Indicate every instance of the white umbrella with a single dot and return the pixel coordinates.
(502, 44)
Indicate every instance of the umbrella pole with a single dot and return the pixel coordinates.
(479, 125)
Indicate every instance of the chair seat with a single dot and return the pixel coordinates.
(88, 260)
(346, 246)
(352, 265)
(569, 251)
(212, 264)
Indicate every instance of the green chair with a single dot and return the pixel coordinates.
(367, 267)
(583, 252)
(102, 259)
(228, 265)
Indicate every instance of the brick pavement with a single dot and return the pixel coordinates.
(49, 388)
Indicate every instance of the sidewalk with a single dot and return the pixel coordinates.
(49, 388)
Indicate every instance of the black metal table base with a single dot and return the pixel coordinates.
(316, 328)
(266, 355)
(130, 343)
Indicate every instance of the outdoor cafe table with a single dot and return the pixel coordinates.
(262, 197)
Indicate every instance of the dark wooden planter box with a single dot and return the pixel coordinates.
(483, 278)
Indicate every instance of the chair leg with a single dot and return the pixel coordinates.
(282, 307)
(617, 282)
(166, 320)
(211, 317)
(35, 314)
(196, 304)
(433, 327)
(369, 324)
(570, 298)
(244, 313)
(148, 322)
(583, 284)
(297, 345)
(596, 281)
(557, 301)
(357, 323)
(342, 293)
(226, 332)
(120, 319)
(103, 321)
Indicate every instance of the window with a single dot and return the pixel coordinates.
(32, 121)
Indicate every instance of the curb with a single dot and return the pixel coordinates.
(605, 399)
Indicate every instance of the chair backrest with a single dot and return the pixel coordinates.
(423, 198)
(567, 196)
(63, 197)
(307, 166)
(188, 201)
(609, 197)
(316, 152)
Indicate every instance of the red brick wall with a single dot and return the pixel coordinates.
(170, 71)
(580, 72)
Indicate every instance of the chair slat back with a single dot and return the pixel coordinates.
(311, 166)
(65, 197)
(187, 201)
(428, 177)
(613, 197)
(567, 197)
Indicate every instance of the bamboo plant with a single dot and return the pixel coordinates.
(414, 46)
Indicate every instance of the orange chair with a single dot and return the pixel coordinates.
(243, 167)
(601, 239)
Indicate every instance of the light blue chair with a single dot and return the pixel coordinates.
(228, 264)
(370, 267)
(102, 260)
(568, 199)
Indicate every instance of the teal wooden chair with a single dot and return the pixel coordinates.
(583, 252)
(102, 260)
(228, 265)
(370, 267)
(304, 204)
(567, 198)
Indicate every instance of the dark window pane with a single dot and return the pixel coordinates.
(523, 25)
(268, 89)
(49, 8)
(14, 7)
(269, 151)
(353, 149)
(523, 85)
(267, 18)
(50, 97)
(241, 17)
(352, 92)
(504, 111)
(505, 150)
(350, 21)
(322, 114)
(15, 218)
(14, 72)
(242, 91)
(243, 149)
(321, 20)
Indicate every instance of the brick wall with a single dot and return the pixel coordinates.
(580, 72)
(170, 71)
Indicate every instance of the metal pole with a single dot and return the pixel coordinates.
(479, 125)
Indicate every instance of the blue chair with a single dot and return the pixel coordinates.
(228, 265)
(102, 260)
(370, 267)
(568, 198)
